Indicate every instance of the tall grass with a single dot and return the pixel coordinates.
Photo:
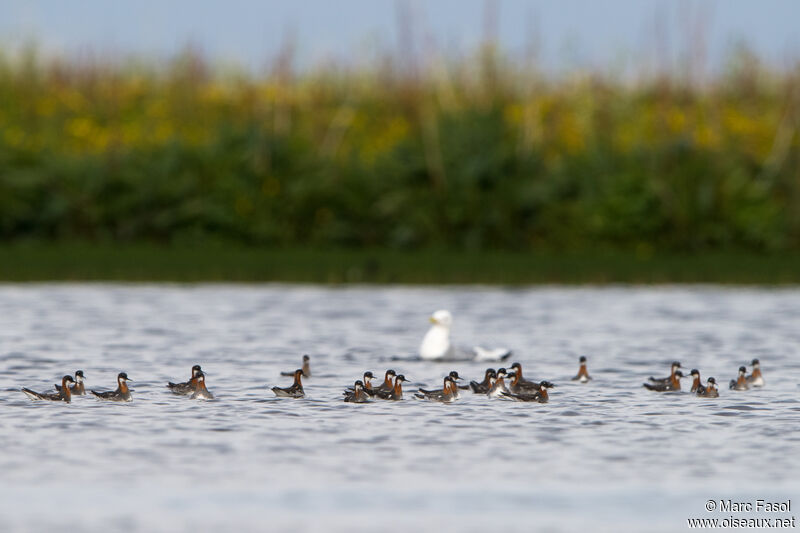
(472, 154)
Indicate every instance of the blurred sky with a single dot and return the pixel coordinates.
(566, 33)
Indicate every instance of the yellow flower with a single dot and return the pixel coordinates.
(512, 113)
(705, 137)
(80, 127)
(46, 106)
(373, 145)
(676, 120)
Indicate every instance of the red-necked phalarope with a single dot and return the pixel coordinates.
(397, 391)
(498, 385)
(674, 368)
(454, 377)
(366, 385)
(295, 391)
(446, 395)
(187, 387)
(358, 395)
(583, 374)
(672, 385)
(388, 383)
(122, 394)
(306, 367)
(695, 380)
(64, 395)
(540, 396)
(521, 382)
(710, 390)
(200, 391)
(756, 379)
(77, 388)
(483, 386)
(740, 383)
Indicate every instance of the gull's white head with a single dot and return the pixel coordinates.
(436, 344)
(442, 317)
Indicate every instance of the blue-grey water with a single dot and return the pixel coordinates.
(605, 456)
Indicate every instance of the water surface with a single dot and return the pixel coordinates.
(608, 455)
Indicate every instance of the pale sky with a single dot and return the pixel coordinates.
(567, 33)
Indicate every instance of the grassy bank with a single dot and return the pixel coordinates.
(478, 153)
(82, 262)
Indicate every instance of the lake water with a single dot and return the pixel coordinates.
(606, 456)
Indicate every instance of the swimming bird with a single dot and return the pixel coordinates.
(397, 391)
(453, 378)
(483, 386)
(540, 396)
(519, 383)
(359, 395)
(583, 374)
(63, 395)
(756, 379)
(77, 388)
(122, 394)
(446, 395)
(187, 387)
(200, 390)
(696, 382)
(388, 382)
(675, 366)
(483, 355)
(295, 391)
(672, 385)
(740, 383)
(306, 368)
(366, 385)
(498, 385)
(456, 378)
(436, 343)
(710, 390)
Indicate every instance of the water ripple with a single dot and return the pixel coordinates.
(262, 453)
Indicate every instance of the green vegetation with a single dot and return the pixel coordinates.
(90, 262)
(521, 177)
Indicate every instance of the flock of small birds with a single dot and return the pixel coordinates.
(493, 385)
(436, 346)
(194, 388)
(673, 381)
